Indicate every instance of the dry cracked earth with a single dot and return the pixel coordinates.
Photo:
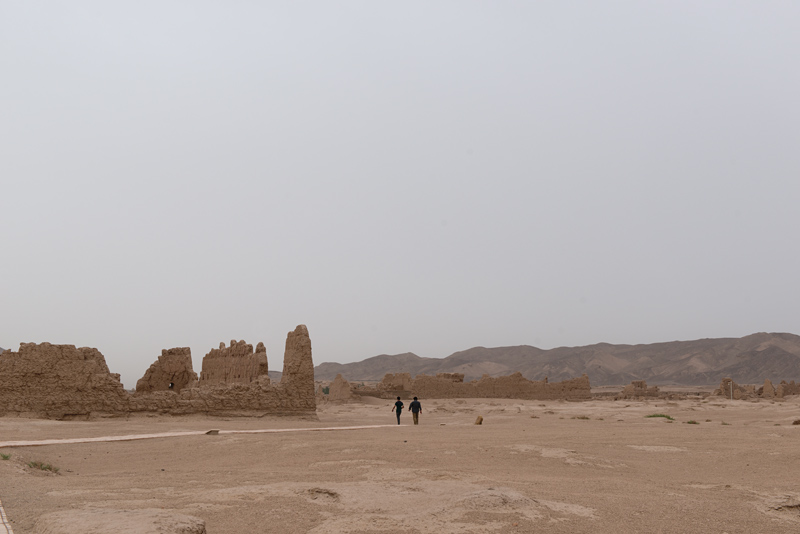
(533, 466)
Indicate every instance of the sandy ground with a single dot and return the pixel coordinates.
(533, 466)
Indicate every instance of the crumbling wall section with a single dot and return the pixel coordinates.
(395, 382)
(339, 389)
(785, 389)
(728, 388)
(237, 364)
(638, 388)
(514, 386)
(298, 365)
(172, 371)
(58, 381)
(256, 398)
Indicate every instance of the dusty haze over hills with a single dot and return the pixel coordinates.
(748, 360)
(418, 177)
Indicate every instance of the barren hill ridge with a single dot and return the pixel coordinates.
(747, 360)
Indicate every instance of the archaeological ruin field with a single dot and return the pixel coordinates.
(228, 450)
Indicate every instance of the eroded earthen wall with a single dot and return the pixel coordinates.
(172, 371)
(515, 386)
(638, 388)
(237, 364)
(298, 366)
(339, 389)
(58, 381)
(728, 388)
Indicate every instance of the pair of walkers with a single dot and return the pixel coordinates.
(415, 407)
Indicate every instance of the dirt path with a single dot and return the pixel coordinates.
(133, 437)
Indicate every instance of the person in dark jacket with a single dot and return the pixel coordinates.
(416, 409)
(398, 407)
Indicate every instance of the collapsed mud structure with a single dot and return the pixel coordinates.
(637, 389)
(730, 389)
(172, 371)
(338, 390)
(64, 382)
(452, 386)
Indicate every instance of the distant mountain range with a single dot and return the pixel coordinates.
(748, 360)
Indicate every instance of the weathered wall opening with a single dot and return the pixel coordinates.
(172, 371)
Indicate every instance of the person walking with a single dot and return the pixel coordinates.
(398, 407)
(416, 409)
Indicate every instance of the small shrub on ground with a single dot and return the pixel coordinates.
(43, 466)
(796, 422)
(692, 422)
(581, 417)
(326, 390)
(5, 456)
(665, 416)
(726, 424)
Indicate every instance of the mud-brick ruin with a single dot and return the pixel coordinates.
(64, 382)
(730, 389)
(638, 389)
(452, 386)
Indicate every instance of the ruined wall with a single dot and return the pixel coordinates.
(298, 366)
(452, 385)
(174, 366)
(785, 389)
(638, 388)
(339, 389)
(237, 364)
(767, 391)
(58, 381)
(728, 388)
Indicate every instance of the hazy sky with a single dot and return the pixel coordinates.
(415, 176)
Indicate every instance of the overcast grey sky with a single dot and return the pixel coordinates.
(415, 176)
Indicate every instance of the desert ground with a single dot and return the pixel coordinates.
(532, 466)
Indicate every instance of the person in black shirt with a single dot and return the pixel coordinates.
(398, 407)
(416, 409)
